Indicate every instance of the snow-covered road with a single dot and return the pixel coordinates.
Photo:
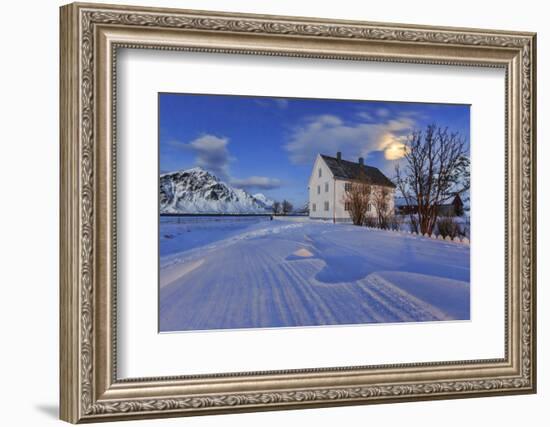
(290, 273)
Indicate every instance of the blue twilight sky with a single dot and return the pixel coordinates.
(268, 145)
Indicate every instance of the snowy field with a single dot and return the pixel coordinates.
(250, 272)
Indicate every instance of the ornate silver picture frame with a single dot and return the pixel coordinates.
(91, 36)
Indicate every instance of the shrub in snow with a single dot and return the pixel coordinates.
(413, 224)
(394, 222)
(449, 227)
(371, 221)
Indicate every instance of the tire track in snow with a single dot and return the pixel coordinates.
(315, 309)
(402, 305)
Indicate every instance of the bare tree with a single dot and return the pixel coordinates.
(381, 201)
(435, 168)
(356, 198)
(286, 207)
(447, 226)
(276, 207)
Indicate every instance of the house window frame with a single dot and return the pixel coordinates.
(327, 205)
(320, 172)
(326, 187)
(314, 207)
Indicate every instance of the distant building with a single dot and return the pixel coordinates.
(454, 208)
(329, 180)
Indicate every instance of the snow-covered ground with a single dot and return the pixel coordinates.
(219, 273)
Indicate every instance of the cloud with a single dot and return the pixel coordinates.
(261, 102)
(281, 103)
(383, 112)
(394, 146)
(365, 115)
(211, 154)
(328, 134)
(256, 182)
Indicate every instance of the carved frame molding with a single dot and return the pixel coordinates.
(90, 37)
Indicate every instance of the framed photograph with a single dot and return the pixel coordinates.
(266, 212)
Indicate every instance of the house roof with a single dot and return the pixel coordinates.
(401, 202)
(343, 169)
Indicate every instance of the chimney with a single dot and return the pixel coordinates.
(361, 161)
(339, 155)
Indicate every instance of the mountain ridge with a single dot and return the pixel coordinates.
(196, 190)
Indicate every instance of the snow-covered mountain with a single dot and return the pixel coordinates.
(198, 191)
(267, 203)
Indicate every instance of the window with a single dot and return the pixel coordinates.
(313, 207)
(318, 189)
(326, 187)
(320, 173)
(326, 206)
(347, 206)
(347, 186)
(369, 207)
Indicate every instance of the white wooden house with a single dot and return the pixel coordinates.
(329, 180)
